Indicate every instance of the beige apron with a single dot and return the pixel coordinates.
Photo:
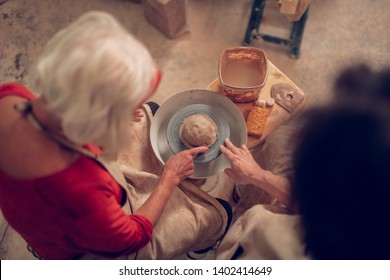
(260, 234)
(192, 219)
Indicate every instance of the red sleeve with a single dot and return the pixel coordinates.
(103, 228)
(15, 89)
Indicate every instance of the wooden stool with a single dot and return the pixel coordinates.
(252, 31)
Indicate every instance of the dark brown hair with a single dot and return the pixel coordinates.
(342, 170)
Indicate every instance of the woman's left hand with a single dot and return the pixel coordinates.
(137, 116)
(243, 166)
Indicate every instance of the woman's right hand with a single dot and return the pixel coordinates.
(177, 168)
(181, 166)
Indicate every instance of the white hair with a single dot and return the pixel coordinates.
(93, 74)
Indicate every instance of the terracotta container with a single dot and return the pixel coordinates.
(242, 73)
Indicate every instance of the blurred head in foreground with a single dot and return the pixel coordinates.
(342, 170)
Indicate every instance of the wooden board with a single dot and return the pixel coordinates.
(279, 115)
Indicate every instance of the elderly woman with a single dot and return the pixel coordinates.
(58, 186)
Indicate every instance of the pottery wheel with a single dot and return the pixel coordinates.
(164, 129)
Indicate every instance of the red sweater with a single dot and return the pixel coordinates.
(71, 212)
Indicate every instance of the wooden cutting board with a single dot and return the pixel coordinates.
(279, 114)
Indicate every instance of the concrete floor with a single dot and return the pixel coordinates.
(337, 34)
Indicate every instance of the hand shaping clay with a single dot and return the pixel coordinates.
(198, 130)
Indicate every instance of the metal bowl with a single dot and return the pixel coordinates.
(224, 111)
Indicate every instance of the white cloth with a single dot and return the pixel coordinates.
(262, 235)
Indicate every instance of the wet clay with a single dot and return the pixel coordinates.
(198, 130)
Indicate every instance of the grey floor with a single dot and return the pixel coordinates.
(338, 34)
